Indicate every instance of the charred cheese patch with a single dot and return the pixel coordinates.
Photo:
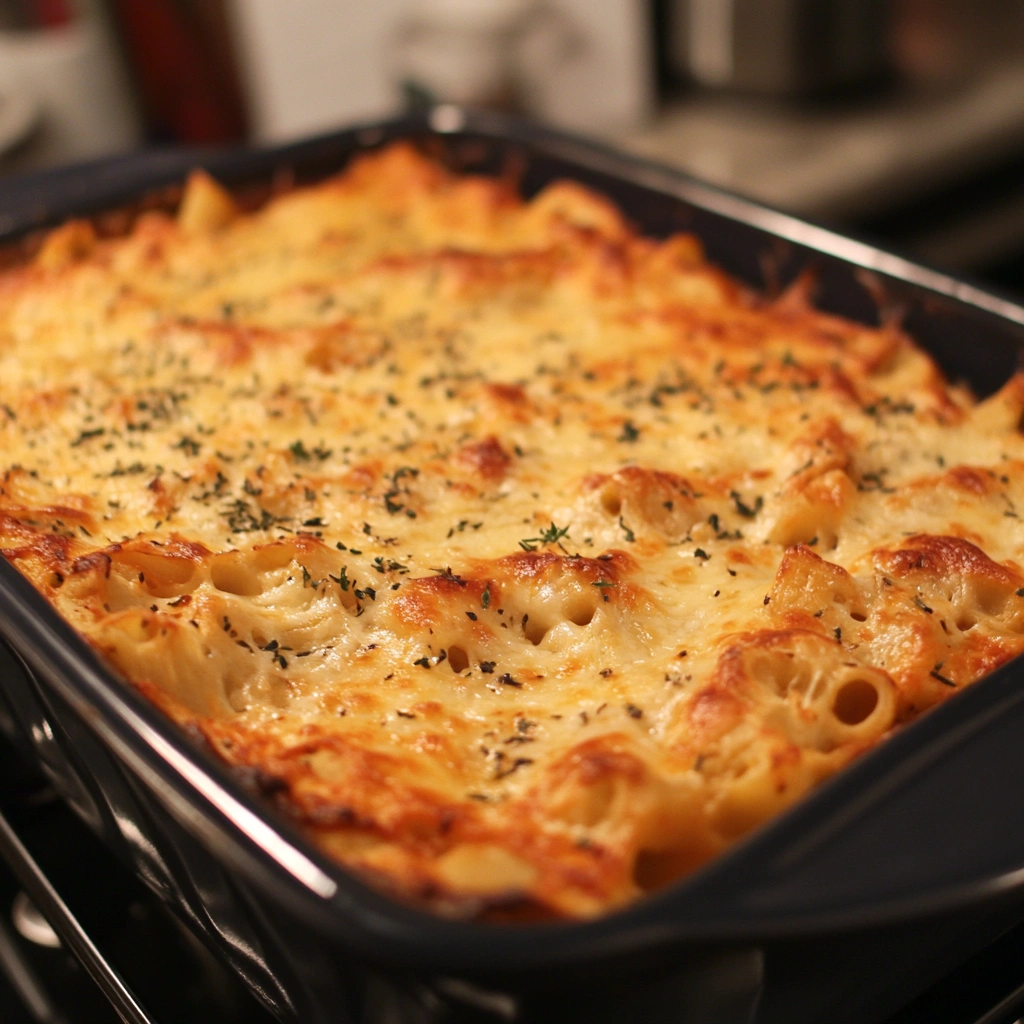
(525, 562)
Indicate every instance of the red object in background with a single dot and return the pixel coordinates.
(35, 15)
(52, 13)
(182, 71)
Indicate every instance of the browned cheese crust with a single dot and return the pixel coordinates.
(526, 563)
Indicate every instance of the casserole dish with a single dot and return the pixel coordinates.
(867, 862)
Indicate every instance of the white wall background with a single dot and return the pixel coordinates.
(314, 65)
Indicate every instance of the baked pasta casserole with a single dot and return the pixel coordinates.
(524, 562)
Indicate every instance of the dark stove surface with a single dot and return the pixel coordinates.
(176, 980)
(172, 975)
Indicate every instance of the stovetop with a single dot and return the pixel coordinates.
(168, 976)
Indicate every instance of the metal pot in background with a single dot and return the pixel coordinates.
(779, 47)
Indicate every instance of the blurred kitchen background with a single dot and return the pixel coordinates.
(901, 120)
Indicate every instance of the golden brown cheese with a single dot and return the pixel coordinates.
(527, 563)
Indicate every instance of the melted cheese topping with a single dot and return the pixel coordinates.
(525, 562)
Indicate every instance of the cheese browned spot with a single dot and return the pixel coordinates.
(525, 562)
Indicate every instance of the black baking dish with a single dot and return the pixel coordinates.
(840, 910)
